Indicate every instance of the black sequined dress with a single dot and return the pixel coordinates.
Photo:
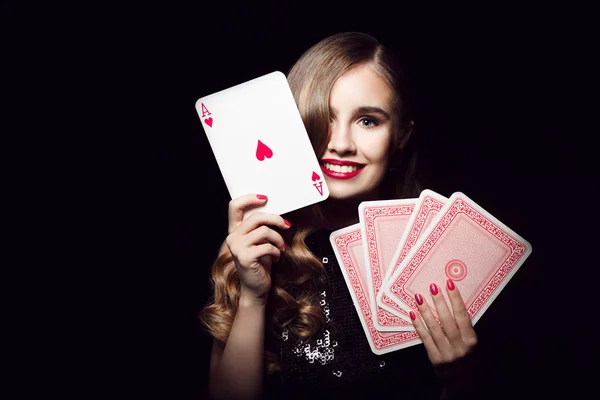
(338, 360)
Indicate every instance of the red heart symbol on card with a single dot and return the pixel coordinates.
(209, 121)
(263, 151)
(315, 177)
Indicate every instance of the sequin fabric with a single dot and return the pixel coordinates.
(322, 349)
(338, 355)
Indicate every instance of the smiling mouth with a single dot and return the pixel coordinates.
(341, 171)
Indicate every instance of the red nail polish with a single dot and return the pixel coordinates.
(261, 197)
(284, 247)
(450, 284)
(419, 298)
(287, 222)
(412, 315)
(434, 289)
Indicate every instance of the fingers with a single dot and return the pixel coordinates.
(266, 249)
(435, 330)
(455, 338)
(463, 320)
(250, 257)
(432, 351)
(446, 319)
(238, 205)
(264, 234)
(253, 232)
(258, 219)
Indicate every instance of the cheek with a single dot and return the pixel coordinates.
(377, 150)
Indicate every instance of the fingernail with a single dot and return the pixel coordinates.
(419, 298)
(412, 315)
(434, 289)
(285, 221)
(261, 196)
(450, 284)
(284, 247)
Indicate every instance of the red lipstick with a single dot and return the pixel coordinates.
(341, 175)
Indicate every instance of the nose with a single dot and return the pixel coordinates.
(340, 140)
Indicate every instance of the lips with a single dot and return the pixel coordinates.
(341, 169)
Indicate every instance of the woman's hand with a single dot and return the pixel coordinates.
(254, 245)
(450, 342)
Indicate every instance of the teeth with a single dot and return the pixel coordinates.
(341, 168)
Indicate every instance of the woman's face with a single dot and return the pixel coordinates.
(356, 157)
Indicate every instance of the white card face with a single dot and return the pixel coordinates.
(426, 209)
(348, 249)
(382, 226)
(261, 145)
(468, 245)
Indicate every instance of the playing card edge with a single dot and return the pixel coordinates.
(390, 268)
(394, 274)
(498, 289)
(250, 82)
(355, 301)
(388, 308)
(367, 261)
(496, 221)
(375, 305)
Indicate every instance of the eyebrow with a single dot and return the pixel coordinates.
(366, 110)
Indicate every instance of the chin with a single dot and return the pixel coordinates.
(340, 190)
(352, 194)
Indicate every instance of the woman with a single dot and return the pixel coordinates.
(281, 317)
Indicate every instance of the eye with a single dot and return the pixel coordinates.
(369, 122)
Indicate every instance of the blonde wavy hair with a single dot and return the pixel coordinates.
(293, 301)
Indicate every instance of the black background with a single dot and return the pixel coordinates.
(486, 85)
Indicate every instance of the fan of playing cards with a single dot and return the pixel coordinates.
(401, 246)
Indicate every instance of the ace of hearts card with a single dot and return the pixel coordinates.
(261, 145)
